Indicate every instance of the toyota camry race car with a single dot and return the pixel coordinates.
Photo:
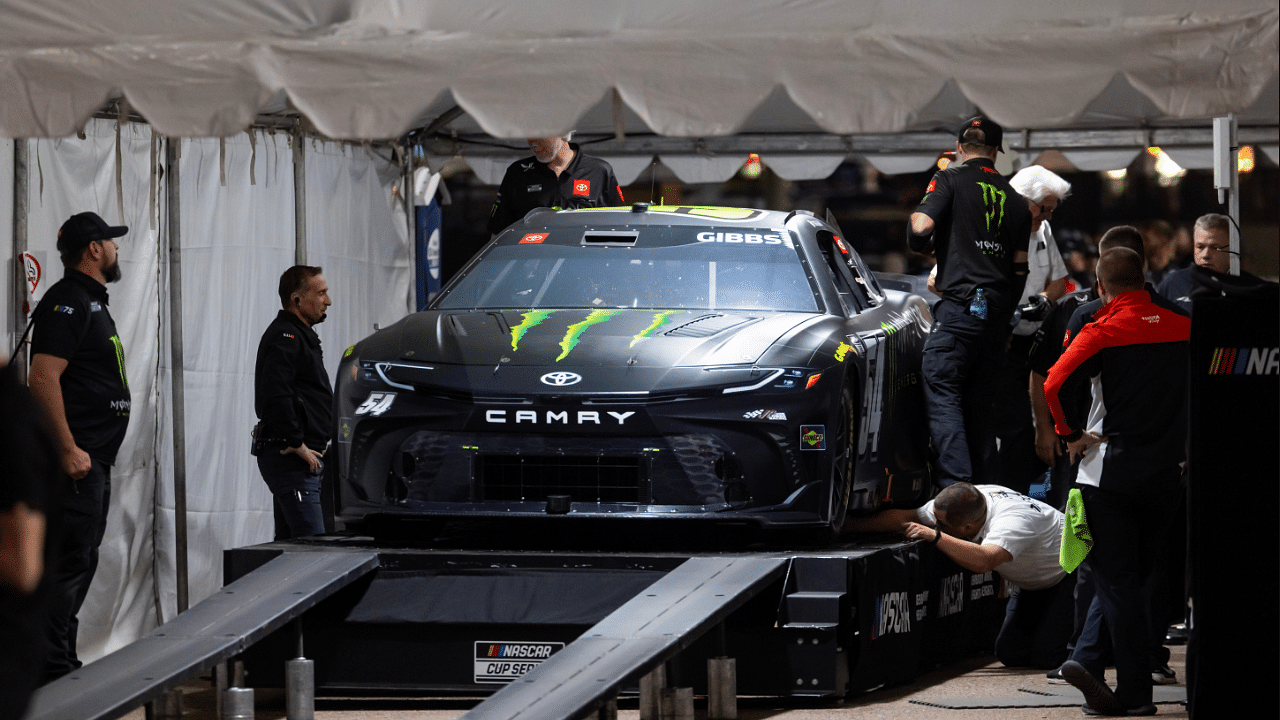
(727, 364)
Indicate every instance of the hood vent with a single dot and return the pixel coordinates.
(707, 325)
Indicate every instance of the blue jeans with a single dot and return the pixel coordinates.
(962, 359)
(297, 494)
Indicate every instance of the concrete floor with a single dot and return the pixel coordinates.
(977, 681)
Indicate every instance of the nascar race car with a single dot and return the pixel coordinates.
(724, 364)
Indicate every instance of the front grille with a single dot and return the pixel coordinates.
(584, 478)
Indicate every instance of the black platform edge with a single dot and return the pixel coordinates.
(219, 627)
(1069, 697)
(646, 631)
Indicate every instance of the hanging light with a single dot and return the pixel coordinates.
(1244, 159)
(752, 168)
(1166, 168)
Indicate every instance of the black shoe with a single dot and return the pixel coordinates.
(1054, 677)
(1164, 675)
(1099, 700)
(1147, 709)
(1176, 635)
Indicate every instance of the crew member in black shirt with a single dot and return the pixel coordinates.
(560, 176)
(978, 227)
(294, 402)
(78, 378)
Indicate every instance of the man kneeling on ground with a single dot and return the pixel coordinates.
(989, 527)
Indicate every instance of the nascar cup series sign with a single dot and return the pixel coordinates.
(502, 662)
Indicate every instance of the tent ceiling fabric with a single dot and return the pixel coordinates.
(375, 69)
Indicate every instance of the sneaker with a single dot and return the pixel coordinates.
(1164, 675)
(1054, 677)
(1099, 700)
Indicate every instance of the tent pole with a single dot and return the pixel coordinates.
(21, 194)
(1233, 200)
(299, 199)
(173, 149)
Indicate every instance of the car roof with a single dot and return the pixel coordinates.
(690, 215)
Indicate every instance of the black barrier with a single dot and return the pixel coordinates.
(1233, 499)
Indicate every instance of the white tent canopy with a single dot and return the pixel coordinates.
(376, 69)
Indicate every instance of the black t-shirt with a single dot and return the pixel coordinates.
(980, 221)
(72, 323)
(292, 394)
(529, 184)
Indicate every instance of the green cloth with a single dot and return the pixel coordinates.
(1076, 539)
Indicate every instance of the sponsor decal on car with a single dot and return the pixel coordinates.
(1245, 361)
(764, 415)
(532, 238)
(842, 351)
(376, 404)
(502, 662)
(344, 430)
(659, 321)
(575, 330)
(347, 353)
(561, 379)
(737, 237)
(813, 437)
(531, 320)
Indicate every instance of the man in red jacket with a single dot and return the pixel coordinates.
(1131, 443)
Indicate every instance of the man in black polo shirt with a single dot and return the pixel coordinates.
(78, 378)
(558, 176)
(294, 402)
(978, 227)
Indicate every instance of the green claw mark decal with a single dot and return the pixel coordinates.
(659, 320)
(575, 330)
(115, 340)
(531, 320)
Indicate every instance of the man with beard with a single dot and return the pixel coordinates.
(78, 378)
(294, 402)
(558, 176)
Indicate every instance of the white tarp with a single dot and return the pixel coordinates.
(236, 240)
(375, 68)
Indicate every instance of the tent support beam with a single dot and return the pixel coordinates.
(173, 151)
(299, 200)
(21, 194)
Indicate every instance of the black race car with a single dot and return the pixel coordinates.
(723, 364)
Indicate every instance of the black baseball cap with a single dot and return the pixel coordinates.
(83, 228)
(991, 130)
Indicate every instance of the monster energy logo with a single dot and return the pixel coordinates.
(531, 319)
(575, 330)
(993, 197)
(115, 340)
(659, 321)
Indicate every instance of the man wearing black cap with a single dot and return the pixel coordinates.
(78, 378)
(978, 227)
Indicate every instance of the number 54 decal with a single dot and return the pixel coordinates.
(376, 404)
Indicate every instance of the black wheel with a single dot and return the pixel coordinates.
(843, 448)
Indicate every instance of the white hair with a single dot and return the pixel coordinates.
(1035, 183)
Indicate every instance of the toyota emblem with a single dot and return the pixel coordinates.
(561, 379)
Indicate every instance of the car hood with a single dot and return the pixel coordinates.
(514, 349)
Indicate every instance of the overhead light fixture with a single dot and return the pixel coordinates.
(752, 168)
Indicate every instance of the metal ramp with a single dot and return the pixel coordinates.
(216, 629)
(646, 631)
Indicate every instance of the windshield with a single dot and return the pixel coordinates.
(705, 275)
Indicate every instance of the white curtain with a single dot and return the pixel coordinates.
(358, 232)
(66, 177)
(237, 238)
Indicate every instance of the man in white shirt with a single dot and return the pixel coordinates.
(989, 527)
